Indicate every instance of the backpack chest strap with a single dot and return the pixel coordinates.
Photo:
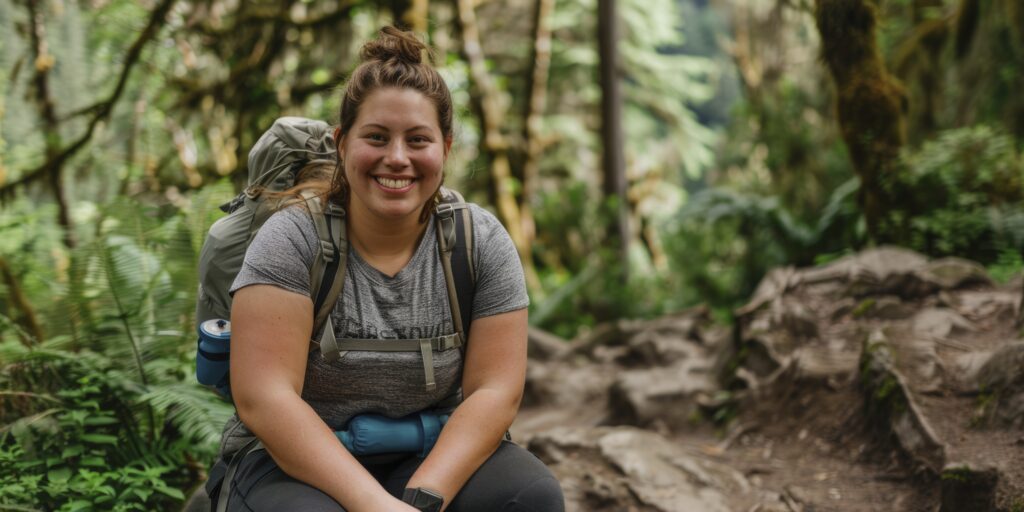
(332, 349)
(439, 343)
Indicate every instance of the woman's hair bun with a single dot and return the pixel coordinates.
(393, 43)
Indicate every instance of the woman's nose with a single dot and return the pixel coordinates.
(397, 155)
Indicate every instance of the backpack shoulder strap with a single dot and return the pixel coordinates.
(328, 272)
(454, 221)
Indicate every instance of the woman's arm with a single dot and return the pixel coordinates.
(271, 330)
(492, 382)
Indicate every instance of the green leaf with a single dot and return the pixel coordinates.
(77, 505)
(100, 420)
(72, 451)
(170, 491)
(59, 475)
(99, 438)
(142, 493)
(93, 461)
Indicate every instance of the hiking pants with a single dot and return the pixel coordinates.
(511, 480)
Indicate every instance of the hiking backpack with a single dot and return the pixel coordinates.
(277, 158)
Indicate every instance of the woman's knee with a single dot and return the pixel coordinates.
(541, 495)
(511, 480)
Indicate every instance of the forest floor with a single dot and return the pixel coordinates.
(881, 382)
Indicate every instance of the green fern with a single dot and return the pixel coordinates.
(191, 409)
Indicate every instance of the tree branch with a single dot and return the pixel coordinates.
(101, 110)
(273, 16)
(43, 62)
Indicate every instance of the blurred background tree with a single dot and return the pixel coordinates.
(755, 133)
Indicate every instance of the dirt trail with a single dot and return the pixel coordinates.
(882, 381)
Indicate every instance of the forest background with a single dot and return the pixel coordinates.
(644, 166)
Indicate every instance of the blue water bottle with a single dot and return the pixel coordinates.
(212, 358)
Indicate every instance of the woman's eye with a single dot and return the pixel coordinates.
(376, 137)
(419, 139)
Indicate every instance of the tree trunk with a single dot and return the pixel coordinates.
(869, 102)
(43, 62)
(23, 313)
(614, 162)
(493, 142)
(538, 87)
(410, 14)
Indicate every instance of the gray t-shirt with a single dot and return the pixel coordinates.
(412, 304)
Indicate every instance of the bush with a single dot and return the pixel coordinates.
(964, 193)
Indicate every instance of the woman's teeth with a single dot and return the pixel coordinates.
(396, 184)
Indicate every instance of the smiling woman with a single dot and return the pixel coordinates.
(394, 134)
(392, 159)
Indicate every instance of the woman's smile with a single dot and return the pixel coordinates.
(395, 185)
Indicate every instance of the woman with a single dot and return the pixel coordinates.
(394, 135)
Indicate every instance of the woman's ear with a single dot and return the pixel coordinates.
(339, 142)
(447, 145)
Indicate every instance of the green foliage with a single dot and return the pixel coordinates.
(784, 144)
(959, 474)
(723, 242)
(661, 87)
(1007, 265)
(964, 192)
(86, 450)
(718, 246)
(105, 414)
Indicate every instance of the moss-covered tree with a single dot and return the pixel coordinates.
(870, 103)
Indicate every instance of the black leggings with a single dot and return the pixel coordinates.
(511, 480)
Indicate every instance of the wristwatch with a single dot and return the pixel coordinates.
(423, 499)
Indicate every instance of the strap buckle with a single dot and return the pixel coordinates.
(334, 209)
(444, 210)
(327, 250)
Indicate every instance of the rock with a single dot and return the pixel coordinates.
(762, 359)
(786, 315)
(624, 468)
(891, 404)
(685, 325)
(884, 270)
(941, 323)
(1004, 368)
(772, 286)
(562, 384)
(826, 363)
(965, 371)
(668, 395)
(995, 305)
(652, 348)
(796, 318)
(953, 273)
(544, 346)
(889, 307)
(1003, 375)
(920, 362)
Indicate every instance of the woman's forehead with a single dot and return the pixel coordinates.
(402, 109)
